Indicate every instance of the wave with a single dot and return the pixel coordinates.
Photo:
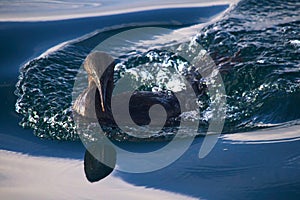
(258, 61)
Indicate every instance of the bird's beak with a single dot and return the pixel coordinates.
(94, 64)
(102, 93)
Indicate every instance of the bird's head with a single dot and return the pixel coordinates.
(96, 64)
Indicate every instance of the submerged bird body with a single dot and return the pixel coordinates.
(95, 101)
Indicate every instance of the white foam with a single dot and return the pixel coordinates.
(295, 42)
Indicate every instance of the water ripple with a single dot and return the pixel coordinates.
(258, 60)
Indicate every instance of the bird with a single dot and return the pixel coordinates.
(94, 103)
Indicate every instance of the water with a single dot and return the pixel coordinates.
(69, 9)
(255, 47)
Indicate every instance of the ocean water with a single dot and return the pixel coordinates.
(255, 46)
